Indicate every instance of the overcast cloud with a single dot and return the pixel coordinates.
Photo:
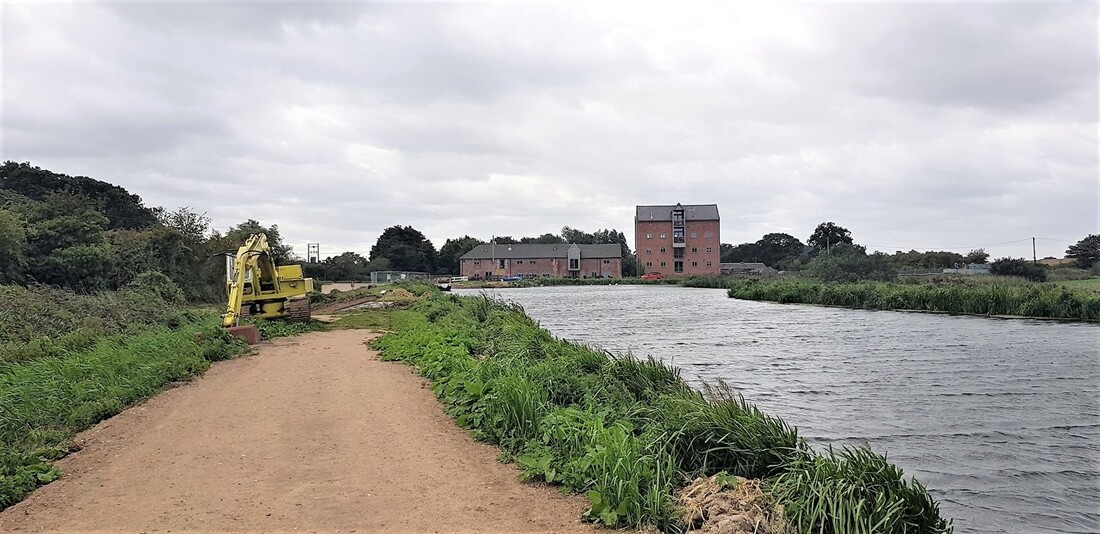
(926, 126)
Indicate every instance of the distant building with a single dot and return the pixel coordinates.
(746, 268)
(680, 240)
(487, 262)
(973, 268)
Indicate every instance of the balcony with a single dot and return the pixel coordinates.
(678, 241)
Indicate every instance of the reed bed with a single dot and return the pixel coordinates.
(628, 432)
(1005, 297)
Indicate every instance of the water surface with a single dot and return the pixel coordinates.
(999, 418)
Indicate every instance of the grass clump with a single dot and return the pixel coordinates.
(628, 433)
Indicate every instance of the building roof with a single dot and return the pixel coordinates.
(692, 212)
(524, 251)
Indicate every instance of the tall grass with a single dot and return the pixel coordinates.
(628, 432)
(68, 361)
(45, 401)
(996, 296)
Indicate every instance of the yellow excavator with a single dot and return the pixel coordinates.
(259, 288)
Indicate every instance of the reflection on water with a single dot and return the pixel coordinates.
(999, 418)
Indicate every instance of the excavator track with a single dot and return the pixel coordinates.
(298, 309)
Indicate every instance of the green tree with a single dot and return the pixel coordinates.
(405, 248)
(1019, 267)
(346, 266)
(828, 235)
(281, 253)
(121, 208)
(455, 248)
(776, 249)
(13, 260)
(1085, 252)
(978, 255)
(544, 239)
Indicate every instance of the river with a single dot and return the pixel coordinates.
(999, 418)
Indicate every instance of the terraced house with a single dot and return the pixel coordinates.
(488, 262)
(680, 240)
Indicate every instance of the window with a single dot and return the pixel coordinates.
(477, 262)
(677, 252)
(662, 236)
(693, 236)
(694, 264)
(649, 251)
(649, 236)
(678, 266)
(662, 264)
(532, 262)
(710, 250)
(708, 235)
(500, 263)
(545, 274)
(694, 250)
(709, 264)
(605, 262)
(519, 262)
(574, 264)
(662, 250)
(649, 264)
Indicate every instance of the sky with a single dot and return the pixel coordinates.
(926, 126)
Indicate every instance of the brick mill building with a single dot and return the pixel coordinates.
(486, 262)
(680, 240)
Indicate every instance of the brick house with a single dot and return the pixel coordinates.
(680, 240)
(491, 261)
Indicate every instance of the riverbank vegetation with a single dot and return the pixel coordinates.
(970, 295)
(628, 433)
(69, 360)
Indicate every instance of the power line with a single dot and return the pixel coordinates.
(972, 247)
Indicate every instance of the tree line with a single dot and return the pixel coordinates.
(89, 235)
(404, 248)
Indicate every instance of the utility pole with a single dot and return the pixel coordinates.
(1034, 257)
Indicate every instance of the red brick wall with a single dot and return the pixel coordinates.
(556, 267)
(699, 249)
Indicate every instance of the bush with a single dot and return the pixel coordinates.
(1019, 267)
(849, 264)
(156, 285)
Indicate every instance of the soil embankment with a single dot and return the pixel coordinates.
(312, 434)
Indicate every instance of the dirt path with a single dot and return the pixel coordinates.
(312, 434)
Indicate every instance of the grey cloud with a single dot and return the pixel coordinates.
(924, 125)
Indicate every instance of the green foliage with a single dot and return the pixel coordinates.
(625, 432)
(452, 250)
(13, 240)
(996, 296)
(1019, 267)
(775, 250)
(845, 263)
(157, 286)
(828, 235)
(1086, 252)
(406, 249)
(122, 209)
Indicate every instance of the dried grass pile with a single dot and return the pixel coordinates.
(724, 504)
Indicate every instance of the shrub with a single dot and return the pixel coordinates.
(1019, 267)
